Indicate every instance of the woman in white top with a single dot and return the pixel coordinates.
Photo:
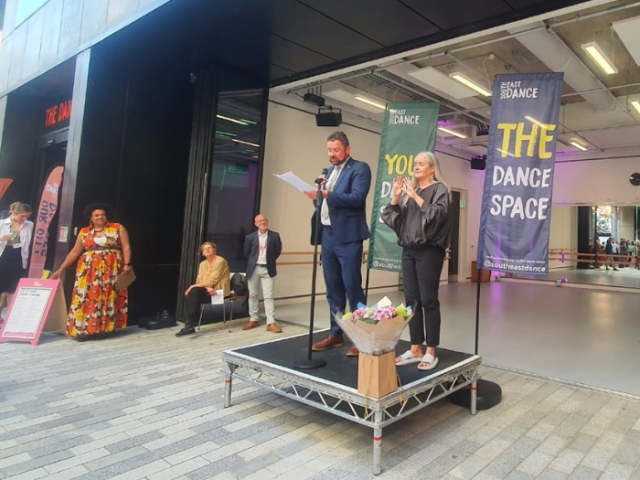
(15, 239)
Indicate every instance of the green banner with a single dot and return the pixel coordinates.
(409, 128)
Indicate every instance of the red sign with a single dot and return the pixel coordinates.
(46, 211)
(4, 186)
(57, 114)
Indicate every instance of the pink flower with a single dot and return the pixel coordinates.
(360, 313)
(385, 313)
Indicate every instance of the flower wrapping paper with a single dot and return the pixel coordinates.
(375, 330)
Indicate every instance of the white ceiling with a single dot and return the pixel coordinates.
(595, 106)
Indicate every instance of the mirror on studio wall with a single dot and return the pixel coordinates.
(578, 251)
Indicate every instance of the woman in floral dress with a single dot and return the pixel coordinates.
(103, 247)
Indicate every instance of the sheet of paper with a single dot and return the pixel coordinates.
(295, 181)
(28, 310)
(218, 298)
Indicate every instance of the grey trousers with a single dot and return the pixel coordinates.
(261, 279)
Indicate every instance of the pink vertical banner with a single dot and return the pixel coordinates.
(4, 186)
(46, 210)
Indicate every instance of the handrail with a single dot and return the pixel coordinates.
(598, 258)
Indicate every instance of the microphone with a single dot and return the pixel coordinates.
(323, 176)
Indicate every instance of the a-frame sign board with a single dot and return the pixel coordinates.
(37, 306)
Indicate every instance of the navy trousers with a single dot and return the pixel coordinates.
(342, 268)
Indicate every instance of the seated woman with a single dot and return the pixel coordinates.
(213, 274)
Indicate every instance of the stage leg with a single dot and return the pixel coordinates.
(228, 378)
(377, 444)
(474, 395)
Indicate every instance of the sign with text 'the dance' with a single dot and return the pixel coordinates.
(516, 204)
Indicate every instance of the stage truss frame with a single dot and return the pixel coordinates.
(346, 402)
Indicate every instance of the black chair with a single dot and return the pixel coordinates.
(238, 292)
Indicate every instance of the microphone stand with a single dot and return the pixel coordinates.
(311, 363)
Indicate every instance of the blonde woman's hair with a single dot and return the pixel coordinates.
(437, 174)
(18, 208)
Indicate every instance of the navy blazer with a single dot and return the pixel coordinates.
(251, 251)
(347, 203)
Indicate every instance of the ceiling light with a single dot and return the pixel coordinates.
(463, 79)
(635, 103)
(578, 146)
(239, 122)
(434, 78)
(452, 132)
(593, 49)
(245, 143)
(347, 95)
(368, 101)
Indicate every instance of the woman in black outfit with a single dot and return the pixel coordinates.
(419, 214)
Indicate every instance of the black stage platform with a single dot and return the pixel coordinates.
(341, 369)
(333, 388)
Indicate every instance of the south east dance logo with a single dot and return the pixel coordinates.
(516, 90)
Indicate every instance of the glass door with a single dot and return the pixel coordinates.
(234, 180)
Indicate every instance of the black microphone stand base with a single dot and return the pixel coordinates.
(489, 395)
(309, 364)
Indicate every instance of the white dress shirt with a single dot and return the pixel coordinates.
(333, 179)
(26, 231)
(262, 247)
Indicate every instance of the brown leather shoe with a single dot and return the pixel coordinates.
(353, 352)
(274, 328)
(332, 341)
(250, 325)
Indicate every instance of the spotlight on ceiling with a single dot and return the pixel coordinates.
(482, 129)
(479, 162)
(328, 117)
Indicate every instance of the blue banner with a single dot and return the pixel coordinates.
(516, 204)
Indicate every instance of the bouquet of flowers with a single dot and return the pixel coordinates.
(375, 330)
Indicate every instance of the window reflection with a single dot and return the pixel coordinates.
(581, 256)
(235, 173)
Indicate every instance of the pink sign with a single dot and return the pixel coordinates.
(46, 210)
(4, 186)
(37, 306)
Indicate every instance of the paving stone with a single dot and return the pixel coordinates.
(584, 473)
(162, 417)
(551, 474)
(519, 475)
(582, 443)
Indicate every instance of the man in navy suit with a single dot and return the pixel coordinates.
(262, 248)
(343, 228)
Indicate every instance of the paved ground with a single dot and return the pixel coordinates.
(149, 405)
